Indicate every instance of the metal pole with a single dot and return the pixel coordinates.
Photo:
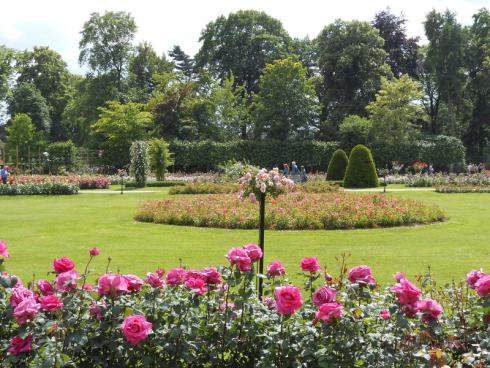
(261, 241)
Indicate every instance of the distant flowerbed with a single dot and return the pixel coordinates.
(212, 317)
(38, 189)
(296, 210)
(454, 188)
(82, 181)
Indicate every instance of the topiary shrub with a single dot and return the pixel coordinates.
(361, 172)
(140, 162)
(337, 165)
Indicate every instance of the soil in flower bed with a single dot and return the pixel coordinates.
(294, 211)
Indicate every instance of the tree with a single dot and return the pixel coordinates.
(286, 106)
(106, 44)
(6, 70)
(27, 99)
(351, 61)
(396, 110)
(360, 172)
(143, 65)
(20, 136)
(401, 50)
(160, 157)
(183, 62)
(45, 69)
(118, 126)
(354, 130)
(140, 163)
(444, 64)
(337, 165)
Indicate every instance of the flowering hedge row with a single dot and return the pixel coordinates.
(205, 188)
(451, 188)
(39, 189)
(213, 318)
(337, 210)
(424, 180)
(82, 181)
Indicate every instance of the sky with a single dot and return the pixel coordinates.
(57, 23)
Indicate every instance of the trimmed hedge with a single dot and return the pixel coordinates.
(361, 172)
(338, 165)
(155, 184)
(38, 189)
(207, 155)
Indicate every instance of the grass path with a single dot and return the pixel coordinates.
(39, 229)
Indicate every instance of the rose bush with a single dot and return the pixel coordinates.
(82, 181)
(213, 318)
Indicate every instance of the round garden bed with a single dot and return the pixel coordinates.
(294, 211)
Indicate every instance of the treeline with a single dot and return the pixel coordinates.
(356, 82)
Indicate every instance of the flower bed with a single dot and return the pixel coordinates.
(82, 181)
(205, 188)
(293, 211)
(213, 318)
(453, 188)
(39, 189)
(424, 180)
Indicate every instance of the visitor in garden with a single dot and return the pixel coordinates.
(4, 174)
(431, 169)
(302, 175)
(295, 174)
(285, 170)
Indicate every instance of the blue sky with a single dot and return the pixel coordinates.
(56, 23)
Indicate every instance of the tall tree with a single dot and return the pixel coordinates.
(45, 69)
(444, 65)
(6, 69)
(183, 62)
(401, 50)
(20, 136)
(286, 106)
(351, 61)
(27, 99)
(106, 44)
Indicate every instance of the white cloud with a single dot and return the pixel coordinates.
(57, 23)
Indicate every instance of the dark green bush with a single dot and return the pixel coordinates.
(207, 155)
(62, 156)
(38, 189)
(338, 165)
(361, 172)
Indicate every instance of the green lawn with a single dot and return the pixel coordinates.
(38, 229)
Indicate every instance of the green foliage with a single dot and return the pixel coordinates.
(140, 162)
(38, 189)
(6, 70)
(286, 105)
(207, 155)
(354, 130)
(160, 157)
(62, 155)
(205, 188)
(118, 126)
(337, 165)
(396, 110)
(20, 135)
(361, 172)
(155, 184)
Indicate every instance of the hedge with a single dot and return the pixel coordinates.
(207, 155)
(361, 172)
(154, 184)
(337, 166)
(38, 189)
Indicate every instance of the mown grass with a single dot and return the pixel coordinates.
(38, 229)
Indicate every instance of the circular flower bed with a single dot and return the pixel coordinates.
(294, 211)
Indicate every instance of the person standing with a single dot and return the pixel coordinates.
(285, 170)
(4, 174)
(294, 171)
(302, 175)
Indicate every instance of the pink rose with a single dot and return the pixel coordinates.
(67, 281)
(112, 284)
(408, 293)
(154, 280)
(472, 277)
(194, 274)
(324, 295)
(94, 252)
(288, 299)
(385, 314)
(18, 345)
(63, 264)
(410, 310)
(176, 276)
(134, 282)
(160, 272)
(252, 198)
(239, 257)
(26, 310)
(196, 285)
(135, 328)
(3, 249)
(329, 313)
(399, 276)
(51, 303)
(430, 309)
(328, 277)
(88, 287)
(270, 302)
(275, 268)
(362, 275)
(211, 276)
(19, 294)
(253, 251)
(310, 264)
(45, 287)
(96, 309)
(482, 286)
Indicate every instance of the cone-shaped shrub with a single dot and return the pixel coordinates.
(361, 172)
(337, 165)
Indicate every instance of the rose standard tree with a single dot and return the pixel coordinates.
(256, 186)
